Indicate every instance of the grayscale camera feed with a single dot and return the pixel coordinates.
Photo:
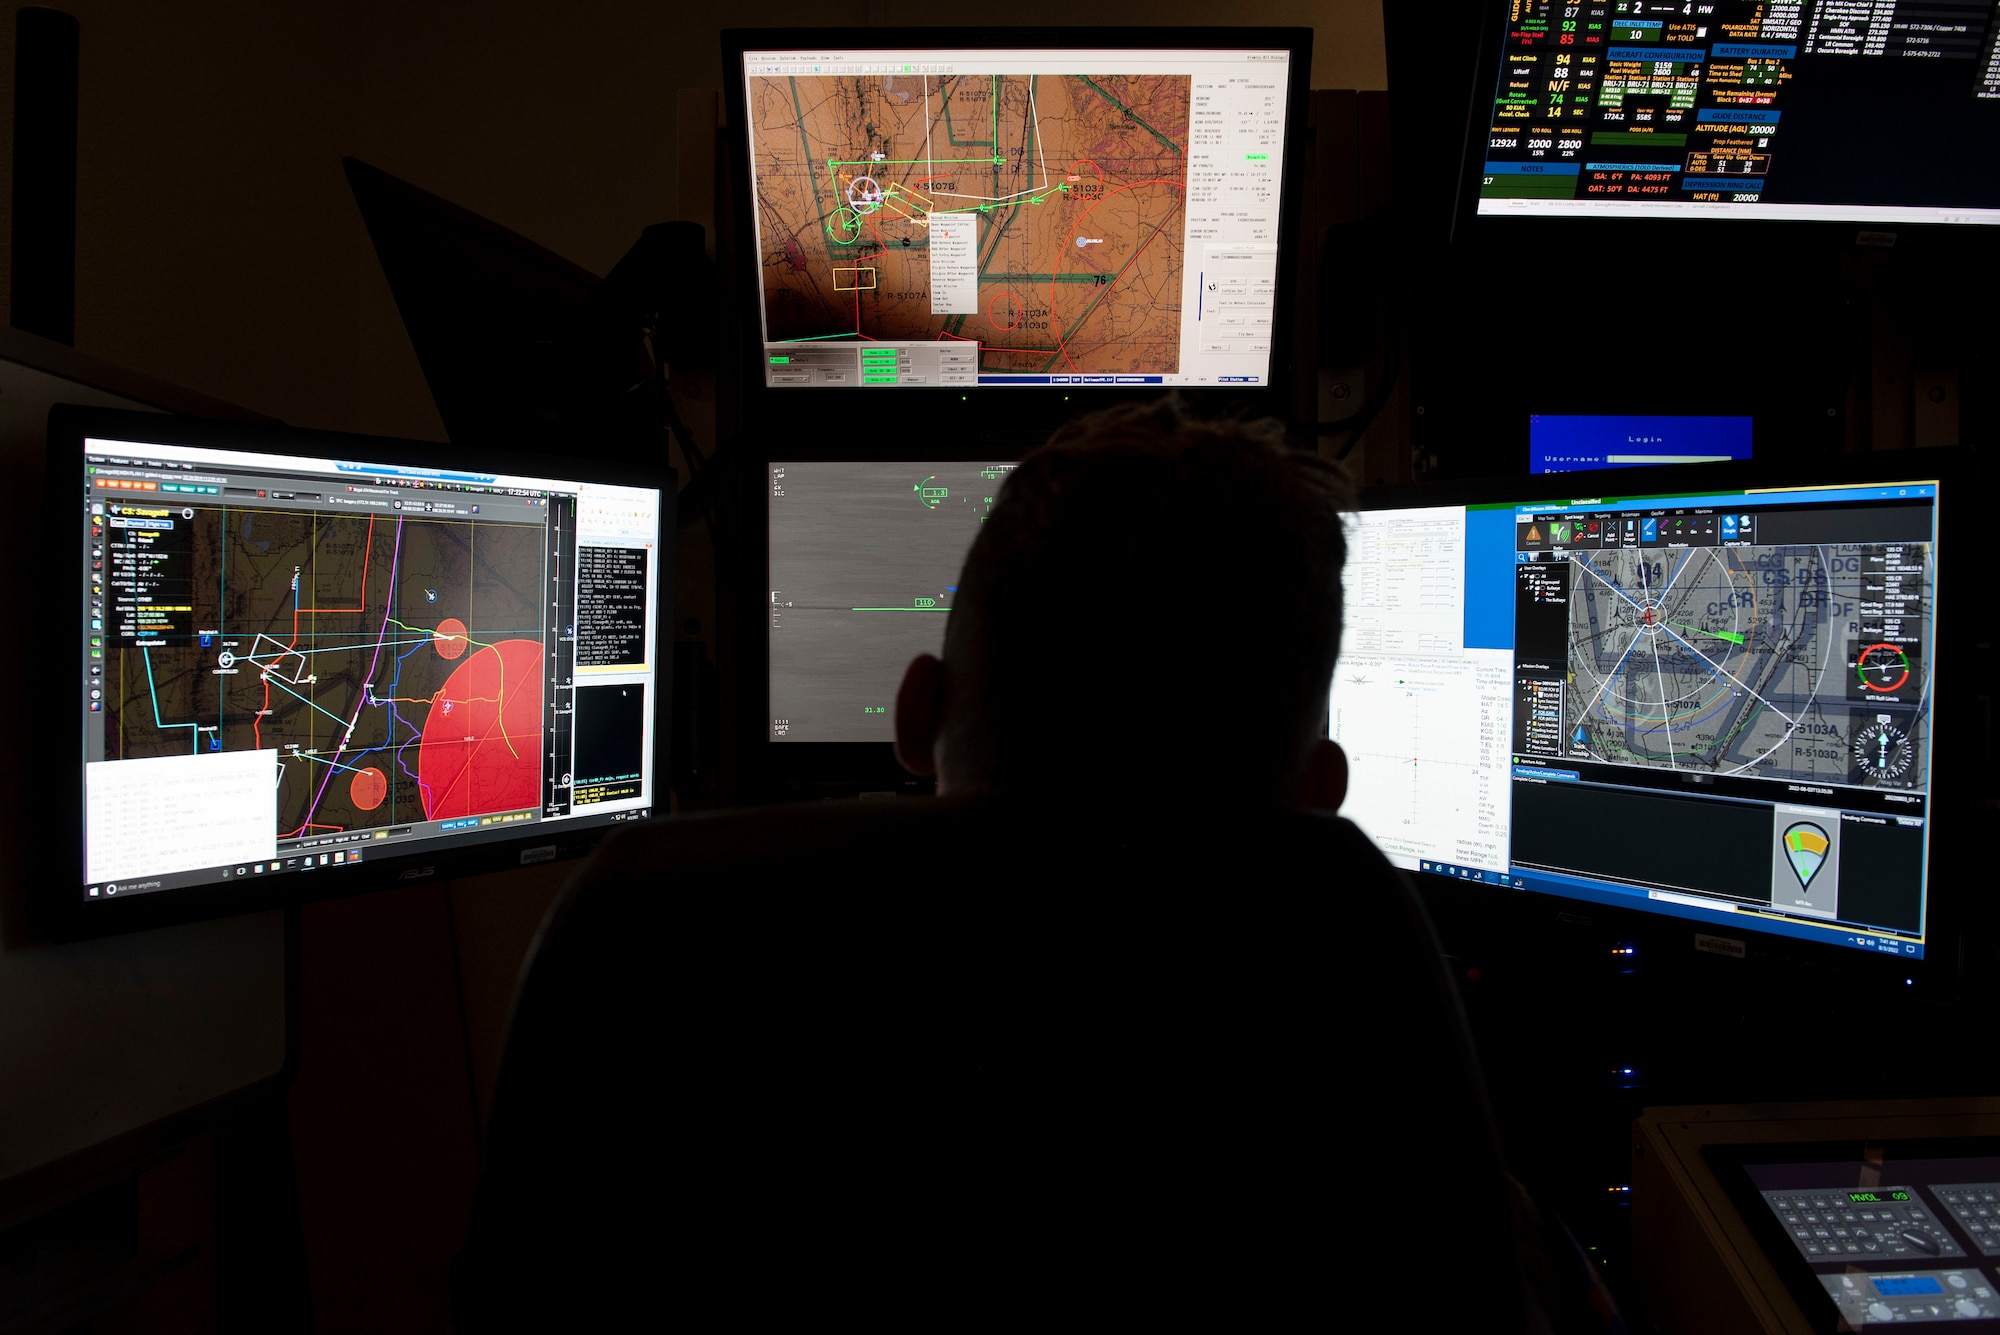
(865, 560)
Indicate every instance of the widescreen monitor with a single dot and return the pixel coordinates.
(299, 656)
(1574, 442)
(1810, 110)
(1714, 705)
(962, 209)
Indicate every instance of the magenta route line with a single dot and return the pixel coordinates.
(387, 603)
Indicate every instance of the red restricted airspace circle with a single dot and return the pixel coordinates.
(449, 637)
(1014, 309)
(482, 744)
(367, 788)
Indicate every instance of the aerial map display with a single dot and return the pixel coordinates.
(392, 663)
(1038, 216)
(1801, 663)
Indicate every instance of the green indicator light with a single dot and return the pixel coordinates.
(780, 361)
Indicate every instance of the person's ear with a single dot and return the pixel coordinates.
(1326, 777)
(920, 714)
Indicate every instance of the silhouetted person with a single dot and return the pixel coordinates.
(1151, 611)
(1116, 1031)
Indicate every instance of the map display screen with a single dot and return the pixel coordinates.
(293, 664)
(1865, 111)
(1755, 666)
(945, 218)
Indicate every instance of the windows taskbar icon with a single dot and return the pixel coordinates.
(1474, 874)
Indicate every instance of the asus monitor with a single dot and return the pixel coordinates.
(306, 662)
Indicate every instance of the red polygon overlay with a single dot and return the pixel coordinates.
(482, 746)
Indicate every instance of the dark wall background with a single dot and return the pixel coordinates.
(218, 246)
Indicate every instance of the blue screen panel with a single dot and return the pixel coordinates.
(1565, 444)
(1901, 1285)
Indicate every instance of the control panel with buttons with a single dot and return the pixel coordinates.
(1884, 1223)
(1976, 1206)
(1911, 1295)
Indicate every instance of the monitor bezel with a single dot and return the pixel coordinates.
(1482, 910)
(66, 912)
(1690, 237)
(969, 408)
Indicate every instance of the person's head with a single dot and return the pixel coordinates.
(1152, 607)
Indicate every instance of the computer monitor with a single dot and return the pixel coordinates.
(864, 560)
(1712, 703)
(1870, 114)
(951, 210)
(1574, 442)
(303, 656)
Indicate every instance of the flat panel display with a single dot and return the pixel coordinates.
(1567, 443)
(1881, 112)
(953, 216)
(292, 664)
(1715, 706)
(864, 562)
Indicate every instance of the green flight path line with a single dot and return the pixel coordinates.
(1728, 635)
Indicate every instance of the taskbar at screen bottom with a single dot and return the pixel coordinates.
(1069, 380)
(1717, 913)
(358, 848)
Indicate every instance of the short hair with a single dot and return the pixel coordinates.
(1163, 589)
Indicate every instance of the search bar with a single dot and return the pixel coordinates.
(1692, 901)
